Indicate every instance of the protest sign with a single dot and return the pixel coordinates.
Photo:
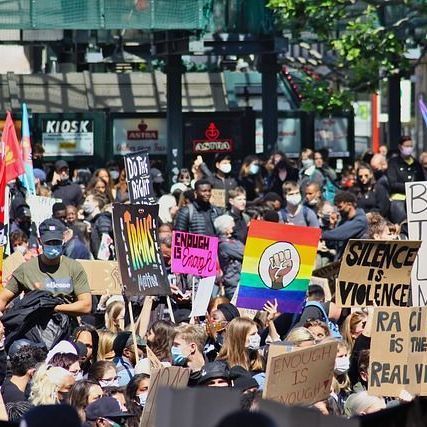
(154, 361)
(189, 406)
(218, 197)
(376, 272)
(138, 251)
(40, 207)
(302, 376)
(203, 296)
(398, 356)
(103, 276)
(140, 186)
(416, 207)
(278, 263)
(10, 264)
(194, 254)
(171, 377)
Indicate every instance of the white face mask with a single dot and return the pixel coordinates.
(253, 169)
(406, 151)
(254, 342)
(114, 174)
(294, 199)
(109, 383)
(225, 168)
(313, 202)
(21, 249)
(307, 163)
(142, 399)
(342, 365)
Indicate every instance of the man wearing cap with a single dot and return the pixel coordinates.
(22, 222)
(215, 374)
(62, 187)
(52, 272)
(105, 412)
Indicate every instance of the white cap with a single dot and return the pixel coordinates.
(61, 347)
(143, 367)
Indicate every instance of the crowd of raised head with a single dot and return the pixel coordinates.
(92, 362)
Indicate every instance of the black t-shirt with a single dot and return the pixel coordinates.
(11, 392)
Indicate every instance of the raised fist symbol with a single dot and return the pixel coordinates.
(280, 266)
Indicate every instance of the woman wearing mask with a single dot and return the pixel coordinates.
(105, 373)
(308, 172)
(341, 386)
(82, 394)
(136, 397)
(250, 178)
(241, 345)
(87, 335)
(50, 385)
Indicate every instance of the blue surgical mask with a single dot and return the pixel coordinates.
(142, 399)
(178, 357)
(253, 169)
(52, 251)
(114, 174)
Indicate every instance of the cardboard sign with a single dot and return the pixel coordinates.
(277, 263)
(416, 208)
(138, 177)
(301, 377)
(171, 377)
(376, 272)
(138, 251)
(398, 357)
(195, 407)
(103, 276)
(10, 264)
(203, 296)
(194, 254)
(218, 197)
(40, 207)
(154, 361)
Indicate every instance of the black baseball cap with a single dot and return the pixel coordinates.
(214, 370)
(61, 164)
(156, 176)
(105, 407)
(51, 229)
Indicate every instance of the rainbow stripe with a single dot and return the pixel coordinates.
(253, 292)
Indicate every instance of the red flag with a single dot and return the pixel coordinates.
(12, 151)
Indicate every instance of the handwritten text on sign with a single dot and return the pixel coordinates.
(398, 357)
(138, 178)
(376, 272)
(194, 254)
(416, 205)
(301, 377)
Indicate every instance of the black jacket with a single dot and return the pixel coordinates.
(400, 172)
(69, 192)
(33, 318)
(197, 218)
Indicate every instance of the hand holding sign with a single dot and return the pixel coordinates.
(280, 266)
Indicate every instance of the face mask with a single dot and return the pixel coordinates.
(79, 376)
(114, 174)
(109, 383)
(88, 208)
(406, 151)
(142, 399)
(313, 202)
(342, 365)
(20, 249)
(52, 251)
(294, 199)
(225, 168)
(254, 342)
(307, 163)
(178, 357)
(253, 169)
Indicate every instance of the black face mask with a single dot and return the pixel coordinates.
(378, 174)
(63, 397)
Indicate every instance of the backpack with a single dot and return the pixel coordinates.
(333, 327)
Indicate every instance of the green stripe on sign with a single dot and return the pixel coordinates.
(254, 281)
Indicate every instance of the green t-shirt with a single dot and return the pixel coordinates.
(67, 279)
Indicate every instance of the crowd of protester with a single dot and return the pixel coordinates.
(96, 368)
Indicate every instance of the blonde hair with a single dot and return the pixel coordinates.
(192, 334)
(105, 345)
(341, 383)
(349, 326)
(111, 314)
(234, 351)
(46, 382)
(299, 335)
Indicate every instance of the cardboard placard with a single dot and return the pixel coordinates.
(138, 177)
(10, 264)
(103, 276)
(416, 208)
(138, 251)
(398, 356)
(376, 272)
(218, 197)
(277, 264)
(302, 376)
(171, 377)
(195, 407)
(154, 361)
(203, 296)
(40, 207)
(194, 254)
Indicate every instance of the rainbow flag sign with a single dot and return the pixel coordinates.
(277, 263)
